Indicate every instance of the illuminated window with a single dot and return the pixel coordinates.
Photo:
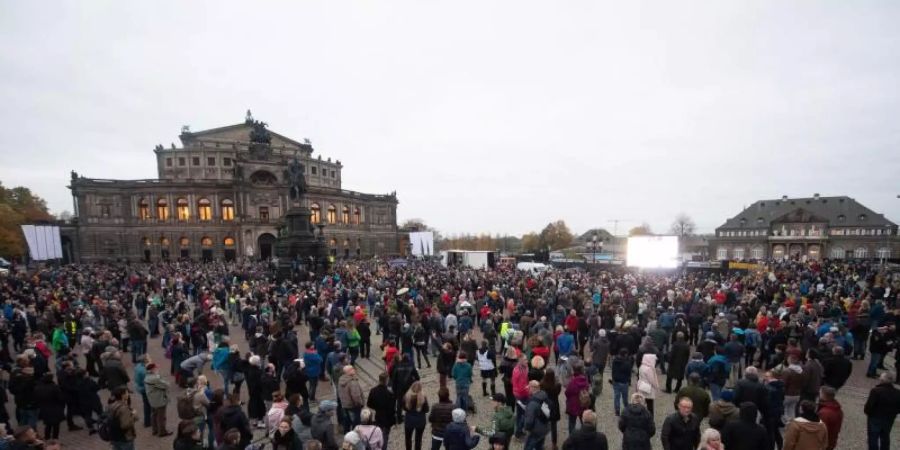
(315, 213)
(164, 242)
(756, 253)
(345, 215)
(837, 252)
(206, 241)
(357, 216)
(204, 209)
(143, 209)
(861, 252)
(227, 209)
(184, 242)
(332, 214)
(883, 252)
(229, 242)
(182, 208)
(722, 253)
(739, 253)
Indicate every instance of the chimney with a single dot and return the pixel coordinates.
(816, 195)
(784, 197)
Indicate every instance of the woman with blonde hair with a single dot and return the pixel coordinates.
(368, 431)
(415, 403)
(711, 440)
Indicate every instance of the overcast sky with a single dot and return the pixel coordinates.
(483, 116)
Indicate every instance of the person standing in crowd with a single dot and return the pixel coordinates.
(837, 368)
(322, 428)
(503, 423)
(679, 355)
(48, 397)
(806, 431)
(157, 392)
(681, 429)
(458, 435)
(552, 388)
(351, 395)
(123, 419)
(745, 433)
(520, 393)
(637, 425)
(312, 361)
(384, 403)
(415, 407)
(578, 396)
(711, 440)
(462, 374)
(587, 437)
(440, 416)
(140, 376)
(829, 411)
(487, 363)
(621, 379)
(648, 383)
(537, 417)
(368, 431)
(881, 409)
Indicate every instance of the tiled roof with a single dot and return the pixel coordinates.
(843, 211)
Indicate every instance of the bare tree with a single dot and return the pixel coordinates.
(683, 225)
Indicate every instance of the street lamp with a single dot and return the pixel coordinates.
(594, 249)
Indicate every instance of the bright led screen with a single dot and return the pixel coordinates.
(655, 252)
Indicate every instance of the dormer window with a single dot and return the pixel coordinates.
(862, 217)
(759, 220)
(841, 218)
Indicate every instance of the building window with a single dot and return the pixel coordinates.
(210, 161)
(164, 242)
(345, 215)
(226, 162)
(143, 209)
(228, 242)
(861, 253)
(315, 215)
(204, 209)
(145, 242)
(181, 161)
(739, 253)
(756, 253)
(263, 213)
(357, 216)
(195, 161)
(862, 217)
(227, 210)
(333, 174)
(721, 253)
(837, 252)
(841, 218)
(182, 208)
(184, 242)
(104, 210)
(883, 253)
(162, 209)
(313, 170)
(206, 241)
(332, 214)
(168, 162)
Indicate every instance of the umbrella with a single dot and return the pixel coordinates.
(402, 291)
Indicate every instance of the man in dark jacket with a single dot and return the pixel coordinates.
(21, 385)
(679, 355)
(440, 416)
(458, 435)
(681, 429)
(537, 416)
(383, 402)
(621, 378)
(699, 397)
(587, 437)
(837, 368)
(750, 389)
(403, 375)
(881, 410)
(745, 434)
(231, 416)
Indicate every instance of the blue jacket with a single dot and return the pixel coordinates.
(313, 363)
(220, 358)
(458, 437)
(565, 344)
(140, 372)
(462, 373)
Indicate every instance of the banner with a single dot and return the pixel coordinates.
(422, 243)
(43, 242)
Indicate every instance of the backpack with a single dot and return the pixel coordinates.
(365, 440)
(584, 398)
(186, 409)
(107, 428)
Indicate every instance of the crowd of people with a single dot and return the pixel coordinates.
(753, 359)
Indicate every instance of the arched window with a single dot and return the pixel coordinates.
(756, 253)
(315, 215)
(345, 215)
(837, 252)
(861, 253)
(184, 242)
(357, 216)
(143, 209)
(164, 242)
(739, 253)
(184, 211)
(162, 209)
(227, 210)
(204, 209)
(332, 214)
(722, 253)
(883, 252)
(206, 241)
(229, 242)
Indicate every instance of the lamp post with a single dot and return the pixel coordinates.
(594, 249)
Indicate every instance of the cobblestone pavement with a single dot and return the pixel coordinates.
(852, 398)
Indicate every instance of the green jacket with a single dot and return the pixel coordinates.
(504, 421)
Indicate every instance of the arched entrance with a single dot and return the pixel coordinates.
(265, 242)
(814, 252)
(778, 252)
(796, 250)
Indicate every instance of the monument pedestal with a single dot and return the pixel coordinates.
(298, 249)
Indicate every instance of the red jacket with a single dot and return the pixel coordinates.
(831, 414)
(572, 323)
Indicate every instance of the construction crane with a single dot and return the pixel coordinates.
(616, 225)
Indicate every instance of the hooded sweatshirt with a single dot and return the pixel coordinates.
(804, 434)
(745, 433)
(720, 412)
